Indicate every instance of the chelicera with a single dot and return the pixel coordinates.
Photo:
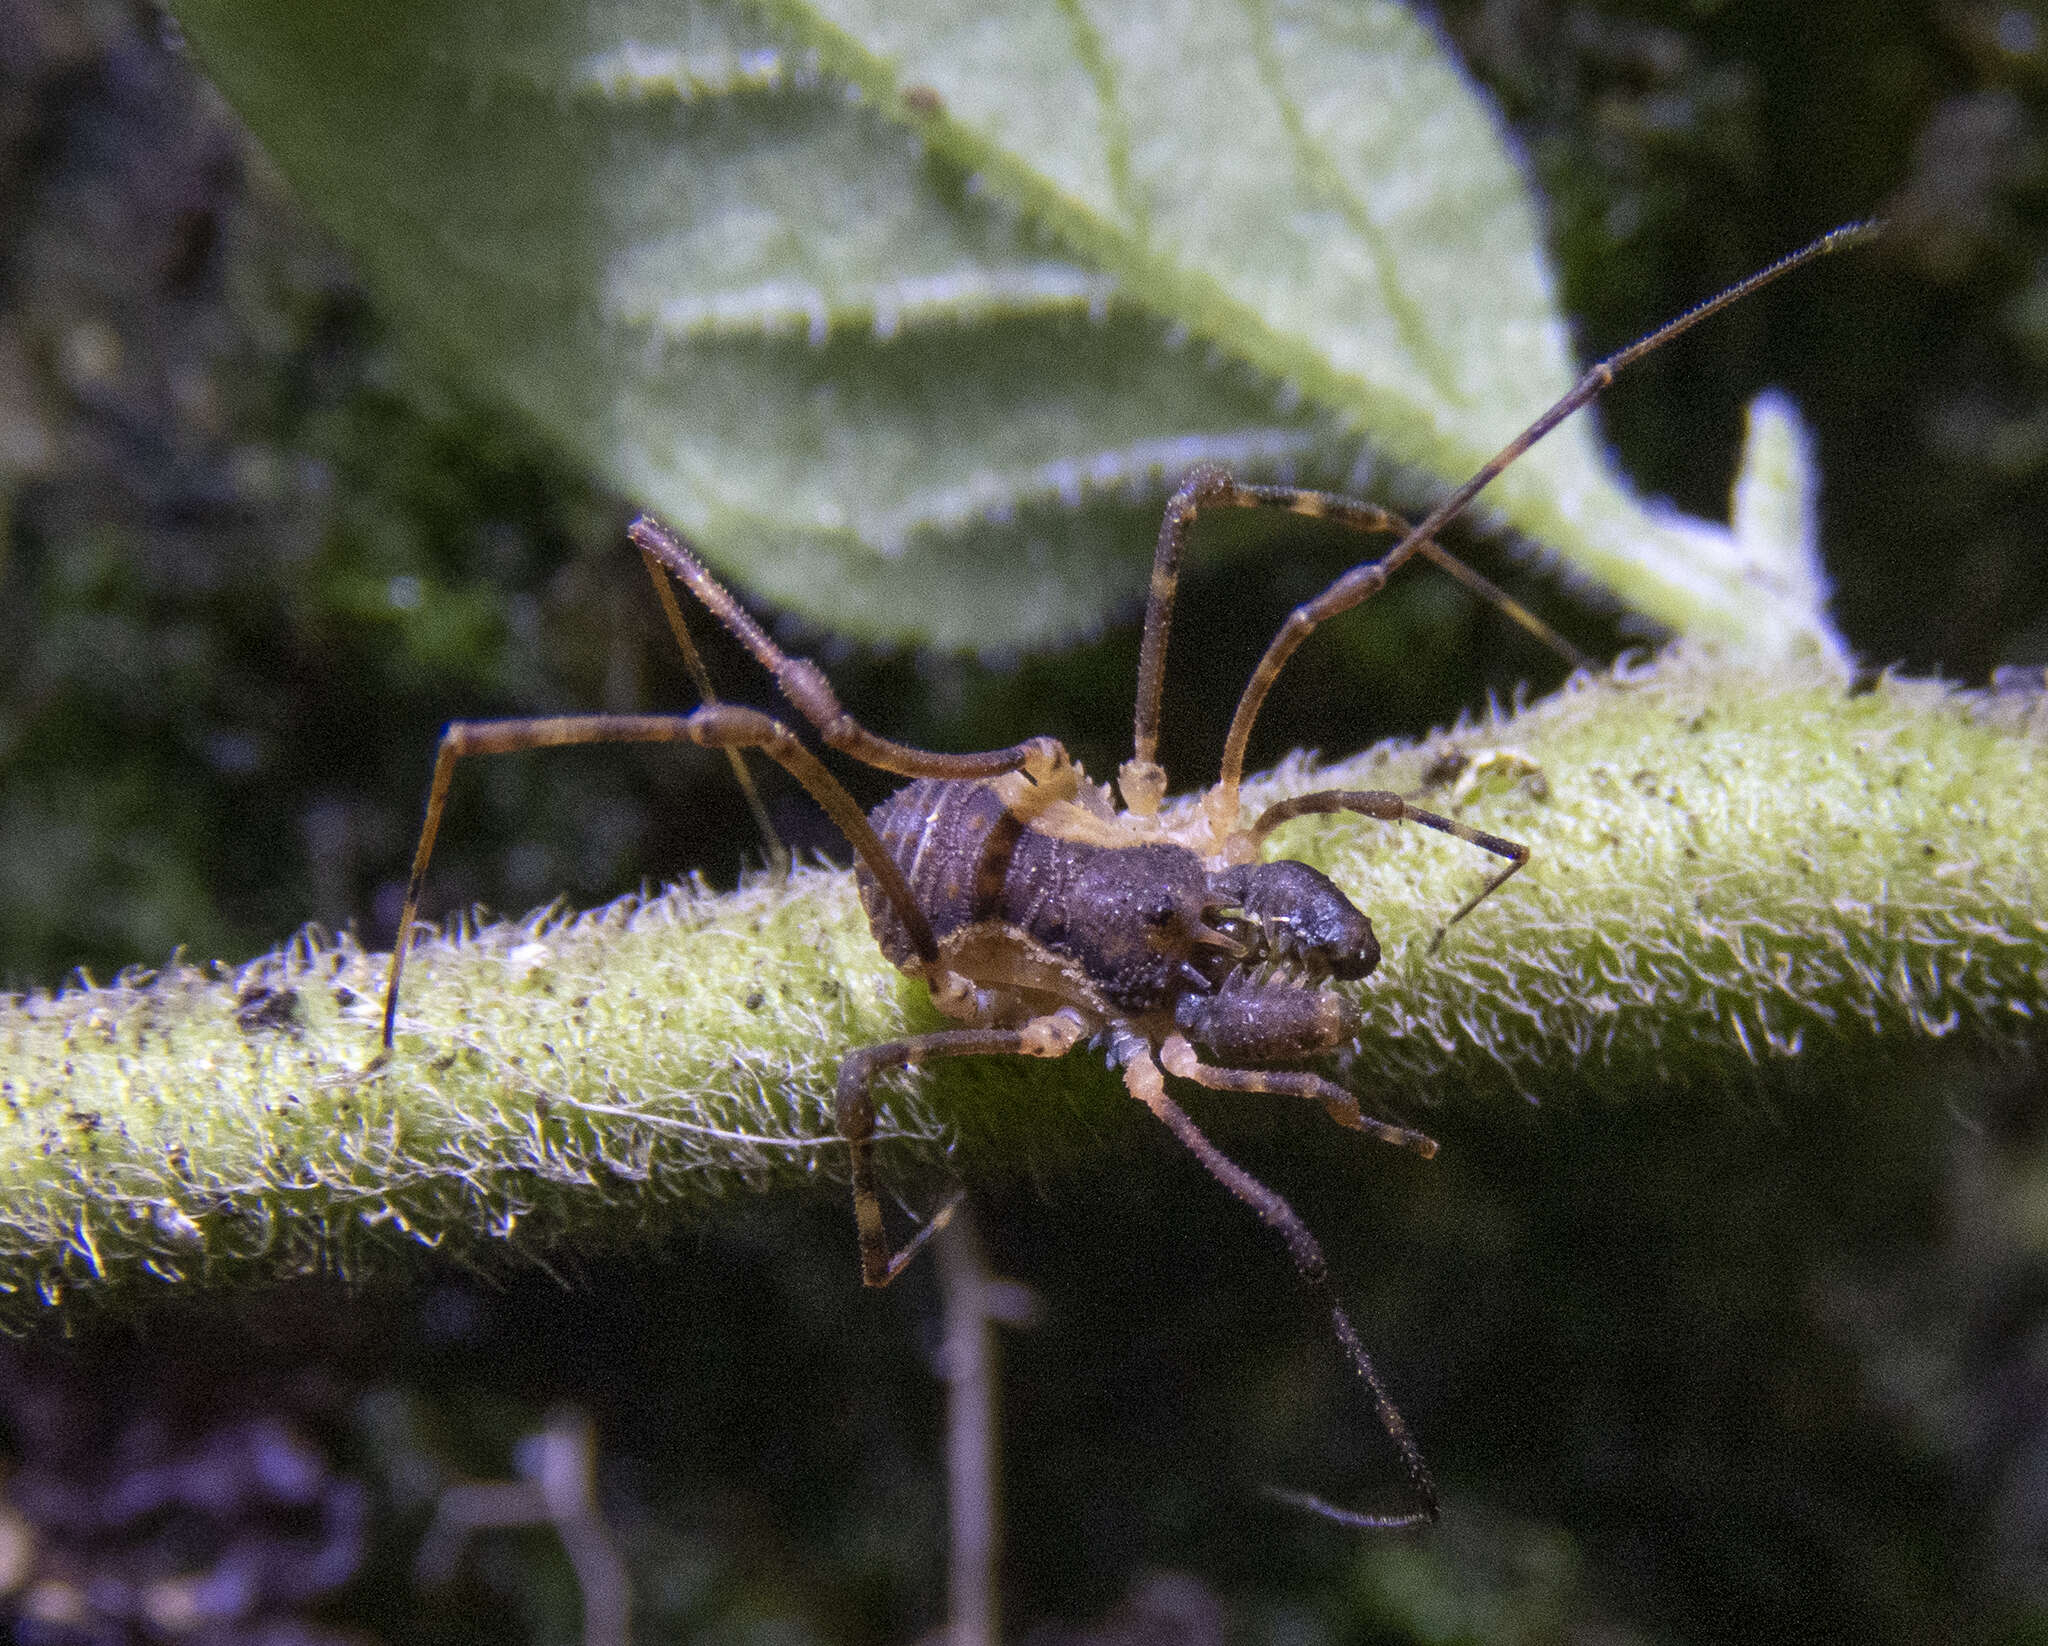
(1043, 916)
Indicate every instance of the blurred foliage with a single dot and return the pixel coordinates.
(1690, 1373)
(912, 355)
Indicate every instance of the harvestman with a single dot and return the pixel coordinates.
(1042, 917)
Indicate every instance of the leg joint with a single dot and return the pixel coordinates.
(805, 685)
(853, 1108)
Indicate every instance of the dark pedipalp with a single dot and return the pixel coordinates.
(1302, 916)
(1267, 1023)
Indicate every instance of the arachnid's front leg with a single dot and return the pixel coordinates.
(1392, 808)
(1178, 1057)
(1052, 1036)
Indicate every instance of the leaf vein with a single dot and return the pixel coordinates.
(970, 292)
(1116, 131)
(1323, 172)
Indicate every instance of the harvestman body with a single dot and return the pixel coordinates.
(1042, 917)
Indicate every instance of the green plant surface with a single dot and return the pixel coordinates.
(910, 312)
(1732, 871)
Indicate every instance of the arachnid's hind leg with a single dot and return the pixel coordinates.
(855, 1105)
(463, 738)
(804, 683)
(1391, 808)
(1179, 1058)
(716, 726)
(1144, 1082)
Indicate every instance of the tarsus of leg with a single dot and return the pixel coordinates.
(1145, 1082)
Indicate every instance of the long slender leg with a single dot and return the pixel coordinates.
(716, 726)
(1361, 582)
(1148, 1086)
(700, 677)
(1179, 1058)
(1391, 808)
(1142, 782)
(804, 683)
(1041, 1037)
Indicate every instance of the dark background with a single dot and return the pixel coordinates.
(1706, 1366)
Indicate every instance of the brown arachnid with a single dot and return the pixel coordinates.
(1043, 918)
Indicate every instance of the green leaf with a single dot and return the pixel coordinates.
(910, 313)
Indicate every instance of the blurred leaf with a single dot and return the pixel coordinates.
(909, 311)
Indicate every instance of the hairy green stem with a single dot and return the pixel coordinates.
(1731, 872)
